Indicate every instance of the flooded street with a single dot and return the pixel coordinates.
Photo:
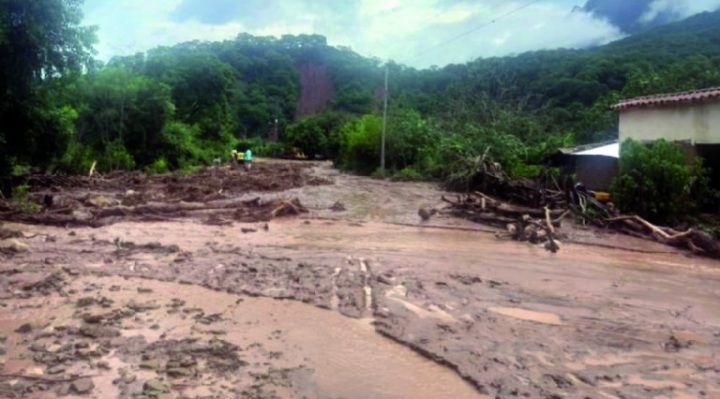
(368, 302)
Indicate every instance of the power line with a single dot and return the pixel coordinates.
(475, 29)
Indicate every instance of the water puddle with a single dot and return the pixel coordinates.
(341, 357)
(529, 315)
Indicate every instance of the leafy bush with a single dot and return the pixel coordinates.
(360, 144)
(78, 158)
(157, 167)
(307, 135)
(20, 200)
(115, 157)
(181, 147)
(657, 183)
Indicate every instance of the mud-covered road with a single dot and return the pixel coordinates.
(354, 299)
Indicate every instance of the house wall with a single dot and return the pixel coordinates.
(596, 172)
(698, 123)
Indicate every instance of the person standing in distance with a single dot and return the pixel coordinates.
(248, 159)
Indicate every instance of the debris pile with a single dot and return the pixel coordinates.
(212, 194)
(520, 222)
(540, 224)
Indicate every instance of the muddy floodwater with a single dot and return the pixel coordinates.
(357, 298)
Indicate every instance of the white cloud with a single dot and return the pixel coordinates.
(680, 8)
(397, 29)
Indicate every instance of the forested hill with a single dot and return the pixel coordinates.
(177, 106)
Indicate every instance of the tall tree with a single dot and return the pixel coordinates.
(42, 45)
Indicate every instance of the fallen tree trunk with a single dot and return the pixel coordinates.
(694, 240)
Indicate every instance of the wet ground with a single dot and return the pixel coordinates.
(365, 302)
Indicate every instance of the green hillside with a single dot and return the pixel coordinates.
(179, 106)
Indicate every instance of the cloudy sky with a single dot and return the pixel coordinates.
(413, 32)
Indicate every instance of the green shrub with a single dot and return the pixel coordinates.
(657, 183)
(19, 170)
(115, 157)
(20, 199)
(77, 159)
(157, 167)
(308, 135)
(360, 144)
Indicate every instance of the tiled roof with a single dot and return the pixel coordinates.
(670, 99)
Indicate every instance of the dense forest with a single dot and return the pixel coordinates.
(185, 105)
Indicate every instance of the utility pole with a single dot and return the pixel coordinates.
(384, 124)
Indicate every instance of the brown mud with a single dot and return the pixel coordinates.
(315, 306)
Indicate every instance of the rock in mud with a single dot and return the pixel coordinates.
(56, 369)
(82, 386)
(180, 372)
(154, 387)
(142, 306)
(99, 332)
(85, 302)
(338, 207)
(151, 364)
(143, 290)
(37, 347)
(93, 318)
(24, 329)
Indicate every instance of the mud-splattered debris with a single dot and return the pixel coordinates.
(144, 290)
(13, 246)
(466, 279)
(100, 201)
(246, 230)
(24, 329)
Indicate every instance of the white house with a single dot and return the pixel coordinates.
(692, 117)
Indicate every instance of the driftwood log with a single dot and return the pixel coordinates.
(694, 240)
(540, 225)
